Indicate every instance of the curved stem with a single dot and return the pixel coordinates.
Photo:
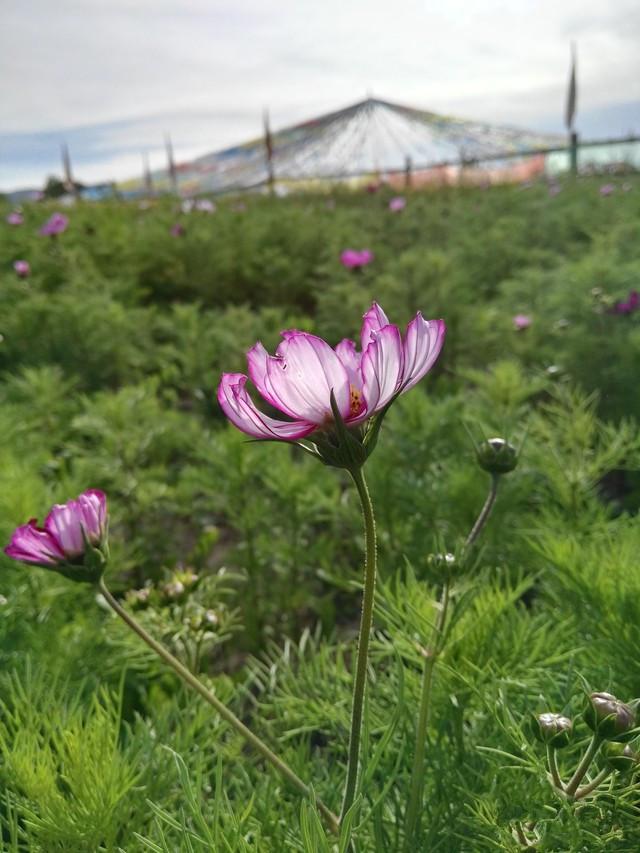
(366, 618)
(220, 707)
(598, 780)
(581, 769)
(485, 512)
(417, 772)
(553, 768)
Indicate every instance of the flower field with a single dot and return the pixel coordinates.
(476, 692)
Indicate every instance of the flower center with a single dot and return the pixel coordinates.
(357, 402)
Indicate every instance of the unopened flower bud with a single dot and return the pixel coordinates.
(553, 729)
(610, 718)
(444, 563)
(497, 456)
(620, 757)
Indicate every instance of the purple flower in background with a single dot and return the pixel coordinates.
(56, 224)
(397, 204)
(607, 189)
(299, 379)
(204, 205)
(630, 306)
(22, 268)
(15, 218)
(178, 230)
(522, 321)
(354, 259)
(67, 530)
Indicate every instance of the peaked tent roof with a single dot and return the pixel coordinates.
(367, 137)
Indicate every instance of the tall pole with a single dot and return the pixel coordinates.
(570, 113)
(69, 183)
(171, 166)
(268, 146)
(147, 180)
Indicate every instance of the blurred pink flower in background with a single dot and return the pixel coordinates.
(299, 379)
(397, 204)
(56, 224)
(15, 218)
(178, 230)
(22, 268)
(607, 189)
(354, 259)
(205, 205)
(630, 305)
(522, 321)
(62, 539)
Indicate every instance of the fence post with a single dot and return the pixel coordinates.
(573, 153)
(268, 145)
(408, 167)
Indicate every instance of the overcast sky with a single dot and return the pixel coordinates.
(111, 76)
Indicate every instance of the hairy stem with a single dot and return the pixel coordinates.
(598, 780)
(418, 769)
(553, 768)
(221, 708)
(485, 512)
(366, 618)
(581, 769)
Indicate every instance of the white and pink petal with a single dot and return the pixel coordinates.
(422, 345)
(242, 412)
(302, 376)
(382, 368)
(374, 320)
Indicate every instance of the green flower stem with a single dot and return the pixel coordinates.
(225, 713)
(366, 618)
(581, 769)
(485, 512)
(417, 772)
(553, 768)
(598, 780)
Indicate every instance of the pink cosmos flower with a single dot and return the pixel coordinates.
(178, 230)
(397, 204)
(22, 268)
(56, 224)
(299, 379)
(61, 540)
(15, 218)
(607, 189)
(522, 321)
(354, 259)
